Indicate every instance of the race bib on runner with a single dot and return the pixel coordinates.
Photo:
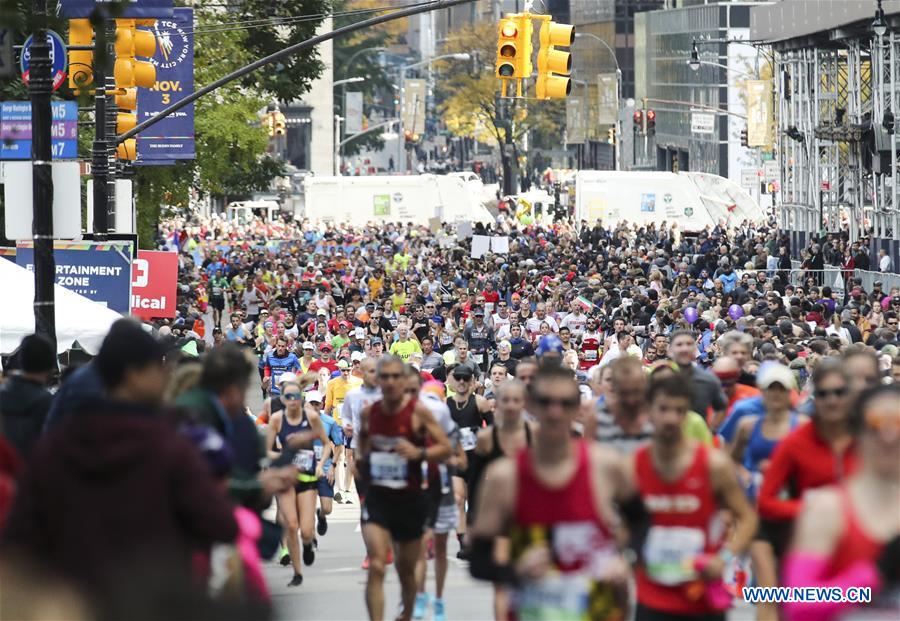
(467, 438)
(590, 354)
(479, 358)
(318, 449)
(669, 553)
(304, 460)
(388, 470)
(560, 597)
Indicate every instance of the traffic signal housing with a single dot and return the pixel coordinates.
(131, 74)
(650, 119)
(81, 70)
(745, 142)
(611, 135)
(514, 47)
(638, 121)
(554, 66)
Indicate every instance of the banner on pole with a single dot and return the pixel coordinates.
(575, 121)
(173, 137)
(607, 101)
(133, 8)
(353, 113)
(414, 106)
(759, 112)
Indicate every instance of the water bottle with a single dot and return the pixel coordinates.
(445, 479)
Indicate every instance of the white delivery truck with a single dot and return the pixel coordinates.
(382, 199)
(694, 201)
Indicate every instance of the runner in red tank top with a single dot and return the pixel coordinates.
(392, 447)
(555, 502)
(683, 485)
(849, 535)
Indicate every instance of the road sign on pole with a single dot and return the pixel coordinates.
(57, 58)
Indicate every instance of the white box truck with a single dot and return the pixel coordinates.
(382, 199)
(693, 200)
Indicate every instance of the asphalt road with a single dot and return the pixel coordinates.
(334, 586)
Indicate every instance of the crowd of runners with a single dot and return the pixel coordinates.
(605, 421)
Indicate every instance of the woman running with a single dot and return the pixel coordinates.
(297, 506)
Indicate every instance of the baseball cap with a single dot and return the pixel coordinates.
(549, 343)
(463, 372)
(308, 345)
(325, 347)
(342, 364)
(321, 311)
(357, 355)
(774, 373)
(286, 377)
(314, 396)
(359, 333)
(375, 339)
(479, 312)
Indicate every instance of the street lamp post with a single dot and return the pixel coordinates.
(617, 145)
(403, 69)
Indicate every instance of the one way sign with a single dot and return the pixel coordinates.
(6, 53)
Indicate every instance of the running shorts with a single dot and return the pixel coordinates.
(326, 489)
(402, 515)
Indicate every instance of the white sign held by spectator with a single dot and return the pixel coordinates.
(481, 245)
(500, 245)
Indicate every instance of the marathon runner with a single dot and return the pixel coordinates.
(555, 502)
(392, 436)
(683, 485)
(326, 482)
(274, 363)
(297, 506)
(470, 412)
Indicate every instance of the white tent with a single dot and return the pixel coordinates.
(78, 319)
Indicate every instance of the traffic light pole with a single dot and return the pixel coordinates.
(39, 90)
(100, 149)
(434, 5)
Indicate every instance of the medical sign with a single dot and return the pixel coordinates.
(58, 58)
(173, 137)
(99, 272)
(154, 284)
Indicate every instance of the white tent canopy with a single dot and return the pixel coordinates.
(78, 319)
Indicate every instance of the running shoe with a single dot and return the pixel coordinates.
(309, 555)
(322, 526)
(346, 497)
(421, 607)
(297, 580)
(285, 557)
(439, 613)
(338, 499)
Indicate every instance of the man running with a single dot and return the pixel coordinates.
(683, 486)
(355, 401)
(555, 501)
(392, 437)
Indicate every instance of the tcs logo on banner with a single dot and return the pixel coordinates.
(154, 282)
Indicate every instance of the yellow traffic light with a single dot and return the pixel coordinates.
(130, 42)
(127, 150)
(514, 47)
(554, 66)
(611, 135)
(279, 123)
(81, 71)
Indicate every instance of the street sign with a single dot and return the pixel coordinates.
(19, 200)
(703, 123)
(15, 130)
(57, 58)
(6, 53)
(748, 177)
(771, 171)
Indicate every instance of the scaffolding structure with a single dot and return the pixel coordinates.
(836, 105)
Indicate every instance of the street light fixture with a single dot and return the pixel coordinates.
(349, 81)
(694, 62)
(879, 26)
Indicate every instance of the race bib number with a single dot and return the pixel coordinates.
(304, 460)
(590, 354)
(478, 358)
(318, 449)
(669, 553)
(388, 470)
(217, 291)
(467, 438)
(560, 597)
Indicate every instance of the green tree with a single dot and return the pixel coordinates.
(471, 107)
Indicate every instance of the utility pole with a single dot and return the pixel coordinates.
(100, 169)
(39, 89)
